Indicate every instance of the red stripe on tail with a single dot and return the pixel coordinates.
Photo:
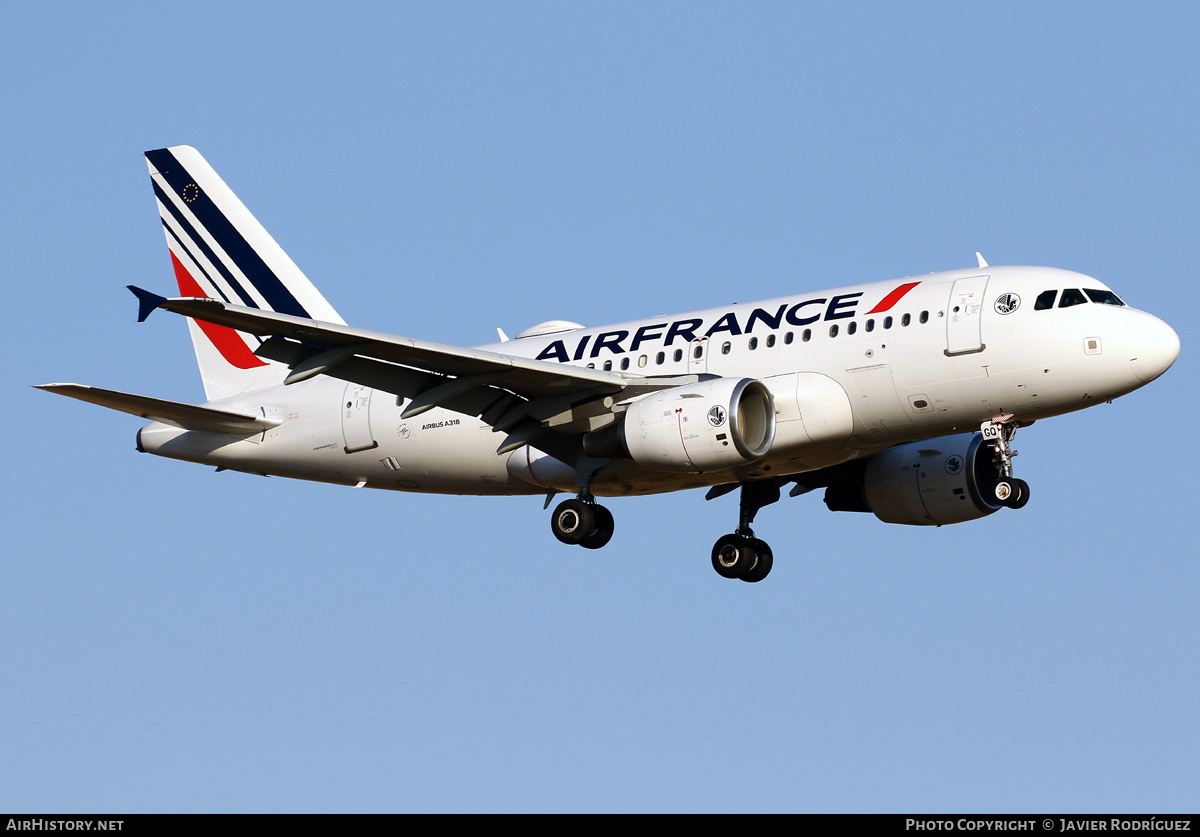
(228, 343)
(891, 299)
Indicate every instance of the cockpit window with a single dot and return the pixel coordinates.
(1045, 300)
(1103, 297)
(1072, 296)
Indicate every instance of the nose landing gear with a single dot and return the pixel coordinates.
(741, 555)
(998, 433)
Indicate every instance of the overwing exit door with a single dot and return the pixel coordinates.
(356, 419)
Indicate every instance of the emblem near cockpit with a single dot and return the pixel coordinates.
(1007, 303)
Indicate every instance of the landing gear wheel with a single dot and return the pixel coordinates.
(765, 559)
(603, 532)
(573, 521)
(1006, 491)
(733, 556)
(1022, 494)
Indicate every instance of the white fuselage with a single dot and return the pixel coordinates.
(906, 363)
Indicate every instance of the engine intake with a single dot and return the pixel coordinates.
(712, 425)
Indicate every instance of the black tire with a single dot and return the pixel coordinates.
(604, 529)
(765, 560)
(733, 556)
(572, 521)
(1022, 495)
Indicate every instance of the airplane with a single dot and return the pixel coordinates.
(899, 398)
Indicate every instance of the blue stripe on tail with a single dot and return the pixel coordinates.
(225, 233)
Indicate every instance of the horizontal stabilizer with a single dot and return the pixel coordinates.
(174, 413)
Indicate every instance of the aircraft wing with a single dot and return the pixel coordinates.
(524, 398)
(533, 378)
(174, 413)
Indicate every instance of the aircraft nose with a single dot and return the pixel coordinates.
(1152, 345)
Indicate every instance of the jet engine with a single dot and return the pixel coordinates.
(927, 483)
(712, 425)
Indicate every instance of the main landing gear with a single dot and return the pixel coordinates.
(741, 555)
(1008, 491)
(582, 521)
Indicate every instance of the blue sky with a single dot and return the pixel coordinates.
(179, 640)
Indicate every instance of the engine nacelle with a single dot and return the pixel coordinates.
(712, 425)
(927, 483)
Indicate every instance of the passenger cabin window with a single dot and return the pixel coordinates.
(787, 338)
(924, 317)
(642, 360)
(1045, 300)
(870, 325)
(698, 352)
(833, 329)
(659, 358)
(753, 343)
(770, 340)
(678, 356)
(807, 335)
(1072, 296)
(608, 366)
(1103, 297)
(725, 347)
(624, 363)
(887, 322)
(853, 327)
(905, 320)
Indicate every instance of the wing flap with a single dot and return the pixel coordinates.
(174, 413)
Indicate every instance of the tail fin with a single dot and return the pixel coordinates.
(219, 250)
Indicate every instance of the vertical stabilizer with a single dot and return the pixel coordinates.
(219, 250)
